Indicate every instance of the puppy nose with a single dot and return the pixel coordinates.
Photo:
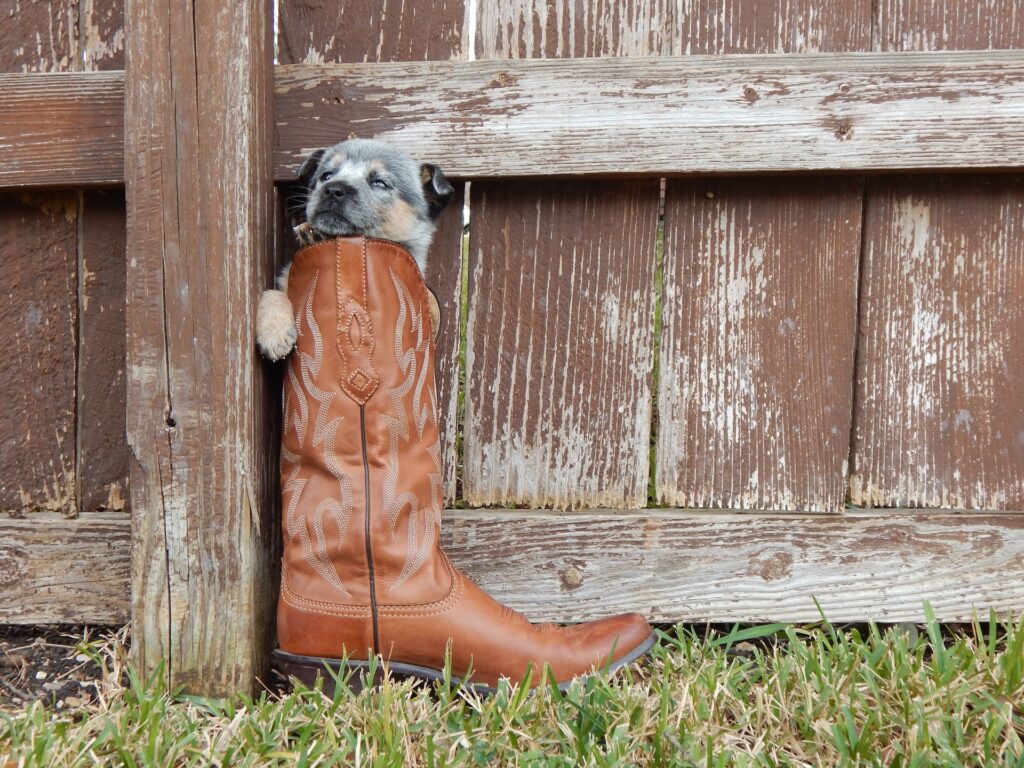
(337, 190)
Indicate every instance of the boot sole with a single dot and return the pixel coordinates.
(355, 673)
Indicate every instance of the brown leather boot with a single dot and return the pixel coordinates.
(363, 572)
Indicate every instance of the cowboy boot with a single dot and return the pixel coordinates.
(363, 573)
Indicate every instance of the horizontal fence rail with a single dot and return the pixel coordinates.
(581, 117)
(671, 564)
(62, 129)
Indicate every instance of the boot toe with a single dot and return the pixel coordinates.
(627, 632)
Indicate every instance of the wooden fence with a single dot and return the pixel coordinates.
(719, 357)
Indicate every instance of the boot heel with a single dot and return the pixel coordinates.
(354, 674)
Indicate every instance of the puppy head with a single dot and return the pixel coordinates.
(363, 187)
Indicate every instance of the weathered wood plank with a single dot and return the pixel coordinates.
(597, 117)
(38, 319)
(102, 34)
(386, 30)
(38, 36)
(794, 26)
(940, 403)
(845, 111)
(561, 300)
(945, 25)
(55, 569)
(679, 565)
(560, 29)
(61, 129)
(200, 236)
(102, 444)
(756, 357)
(38, 315)
(755, 379)
(558, 368)
(370, 30)
(687, 566)
(940, 385)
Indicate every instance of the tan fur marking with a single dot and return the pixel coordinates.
(400, 222)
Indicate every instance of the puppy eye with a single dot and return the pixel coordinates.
(380, 184)
(325, 176)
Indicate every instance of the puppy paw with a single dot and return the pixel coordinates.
(275, 325)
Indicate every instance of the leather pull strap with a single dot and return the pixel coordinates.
(359, 378)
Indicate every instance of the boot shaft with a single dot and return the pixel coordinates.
(361, 454)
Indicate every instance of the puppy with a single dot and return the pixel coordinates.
(357, 187)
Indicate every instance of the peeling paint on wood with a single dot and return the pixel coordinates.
(102, 34)
(759, 314)
(38, 319)
(558, 370)
(940, 404)
(558, 366)
(755, 391)
(559, 29)
(793, 26)
(943, 25)
(314, 32)
(940, 399)
(39, 35)
(38, 313)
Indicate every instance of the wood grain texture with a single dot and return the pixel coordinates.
(313, 32)
(69, 571)
(558, 369)
(61, 130)
(848, 111)
(940, 404)
(946, 25)
(759, 312)
(760, 303)
(38, 314)
(385, 31)
(560, 29)
(102, 268)
(102, 444)
(793, 26)
(940, 398)
(674, 565)
(600, 117)
(561, 297)
(39, 36)
(101, 25)
(678, 565)
(38, 319)
(199, 248)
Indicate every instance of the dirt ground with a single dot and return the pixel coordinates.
(60, 666)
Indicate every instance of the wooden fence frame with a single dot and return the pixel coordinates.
(205, 539)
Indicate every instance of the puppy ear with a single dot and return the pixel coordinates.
(308, 168)
(436, 188)
(297, 193)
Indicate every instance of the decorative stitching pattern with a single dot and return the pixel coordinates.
(361, 381)
(324, 437)
(423, 524)
(394, 611)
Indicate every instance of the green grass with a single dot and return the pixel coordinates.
(795, 696)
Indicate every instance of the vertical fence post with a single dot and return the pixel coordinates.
(199, 183)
